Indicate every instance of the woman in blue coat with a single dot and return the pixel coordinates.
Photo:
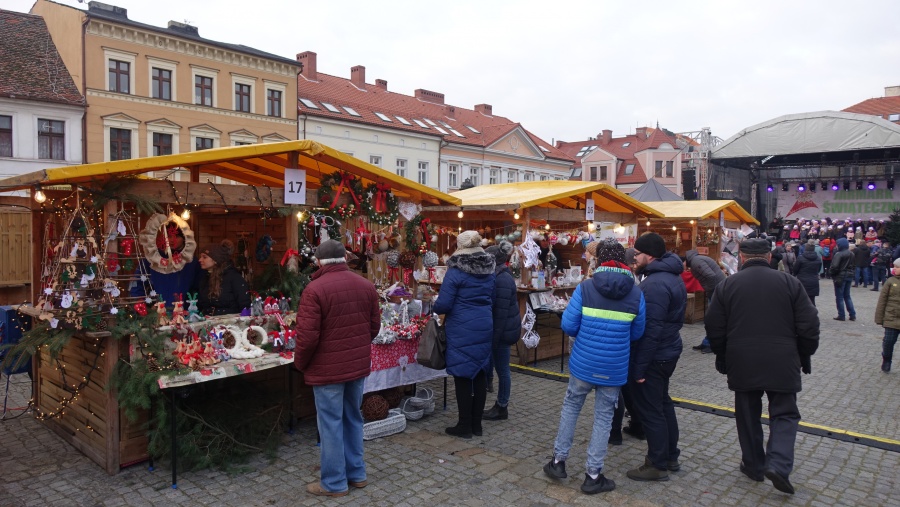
(465, 299)
(507, 326)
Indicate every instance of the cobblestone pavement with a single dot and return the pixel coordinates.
(423, 466)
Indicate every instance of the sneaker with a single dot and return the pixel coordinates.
(555, 470)
(637, 433)
(753, 476)
(672, 466)
(698, 347)
(648, 473)
(496, 413)
(615, 436)
(599, 485)
(780, 482)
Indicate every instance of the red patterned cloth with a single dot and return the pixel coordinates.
(399, 353)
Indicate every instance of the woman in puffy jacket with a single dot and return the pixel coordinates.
(507, 326)
(806, 269)
(466, 298)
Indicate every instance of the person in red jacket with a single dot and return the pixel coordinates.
(337, 319)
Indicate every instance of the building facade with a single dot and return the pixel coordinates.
(164, 90)
(887, 107)
(420, 136)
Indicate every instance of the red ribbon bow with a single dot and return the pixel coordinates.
(423, 225)
(346, 179)
(287, 255)
(394, 273)
(381, 190)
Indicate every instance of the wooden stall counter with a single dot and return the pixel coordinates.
(553, 343)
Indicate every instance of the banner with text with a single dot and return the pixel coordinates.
(840, 204)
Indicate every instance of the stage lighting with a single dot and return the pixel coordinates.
(846, 185)
(801, 187)
(835, 186)
(770, 188)
(871, 185)
(784, 187)
(824, 185)
(859, 184)
(890, 184)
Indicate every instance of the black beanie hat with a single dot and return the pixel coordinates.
(608, 249)
(651, 244)
(501, 251)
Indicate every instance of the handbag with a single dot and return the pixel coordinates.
(432, 351)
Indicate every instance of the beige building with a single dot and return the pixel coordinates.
(163, 90)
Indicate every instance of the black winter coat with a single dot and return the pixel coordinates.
(665, 297)
(806, 269)
(761, 321)
(234, 295)
(861, 256)
(705, 270)
(507, 321)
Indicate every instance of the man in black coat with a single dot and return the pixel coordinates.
(763, 329)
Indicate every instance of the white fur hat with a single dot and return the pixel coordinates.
(468, 242)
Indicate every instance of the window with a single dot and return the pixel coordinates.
(119, 76)
(473, 175)
(203, 90)
(51, 139)
(351, 111)
(242, 97)
(401, 167)
(670, 169)
(603, 175)
(318, 129)
(593, 173)
(331, 107)
(629, 169)
(375, 138)
(203, 143)
(161, 86)
(162, 144)
(421, 124)
(423, 173)
(625, 145)
(384, 117)
(6, 149)
(375, 160)
(403, 120)
(240, 143)
(658, 169)
(543, 177)
(473, 129)
(453, 176)
(527, 177)
(273, 103)
(119, 144)
(494, 175)
(894, 117)
(510, 176)
(308, 103)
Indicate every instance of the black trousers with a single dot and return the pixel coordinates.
(626, 401)
(470, 397)
(657, 413)
(784, 418)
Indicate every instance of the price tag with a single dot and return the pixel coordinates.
(589, 210)
(295, 186)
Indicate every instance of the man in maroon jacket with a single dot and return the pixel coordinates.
(337, 318)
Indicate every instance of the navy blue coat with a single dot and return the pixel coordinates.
(466, 297)
(507, 320)
(665, 297)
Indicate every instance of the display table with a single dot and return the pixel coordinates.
(394, 365)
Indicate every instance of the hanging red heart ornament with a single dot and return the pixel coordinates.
(112, 262)
(141, 309)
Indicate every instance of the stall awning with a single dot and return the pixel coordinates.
(256, 164)
(552, 194)
(703, 210)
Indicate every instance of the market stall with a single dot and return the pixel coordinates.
(550, 222)
(109, 234)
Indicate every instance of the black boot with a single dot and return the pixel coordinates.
(615, 437)
(479, 395)
(463, 427)
(496, 413)
(885, 364)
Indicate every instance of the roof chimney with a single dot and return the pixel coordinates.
(308, 69)
(605, 136)
(109, 10)
(484, 109)
(451, 112)
(892, 91)
(184, 28)
(358, 76)
(641, 132)
(381, 83)
(428, 96)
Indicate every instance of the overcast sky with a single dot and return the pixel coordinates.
(568, 69)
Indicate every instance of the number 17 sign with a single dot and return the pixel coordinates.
(295, 186)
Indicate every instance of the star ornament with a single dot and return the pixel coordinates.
(153, 293)
(94, 259)
(113, 310)
(143, 278)
(48, 291)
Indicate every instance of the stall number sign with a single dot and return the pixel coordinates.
(589, 210)
(295, 186)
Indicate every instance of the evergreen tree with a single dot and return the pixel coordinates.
(892, 228)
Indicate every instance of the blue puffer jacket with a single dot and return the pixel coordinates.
(465, 298)
(507, 321)
(605, 314)
(666, 296)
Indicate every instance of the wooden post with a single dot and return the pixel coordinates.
(694, 234)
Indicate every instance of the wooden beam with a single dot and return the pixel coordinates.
(202, 195)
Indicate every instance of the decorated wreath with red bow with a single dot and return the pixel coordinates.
(380, 204)
(335, 184)
(419, 225)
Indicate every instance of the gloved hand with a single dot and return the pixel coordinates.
(806, 364)
(720, 364)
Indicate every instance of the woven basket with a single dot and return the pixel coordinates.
(411, 410)
(424, 399)
(395, 423)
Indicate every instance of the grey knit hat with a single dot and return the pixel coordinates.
(501, 251)
(331, 252)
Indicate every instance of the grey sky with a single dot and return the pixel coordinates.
(568, 69)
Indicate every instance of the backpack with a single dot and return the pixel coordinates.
(826, 250)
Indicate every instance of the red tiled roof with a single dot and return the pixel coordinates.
(625, 154)
(30, 66)
(374, 99)
(881, 106)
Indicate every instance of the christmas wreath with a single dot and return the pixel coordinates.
(333, 185)
(380, 204)
(418, 224)
(158, 240)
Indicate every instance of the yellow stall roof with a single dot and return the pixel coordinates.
(703, 210)
(553, 194)
(255, 164)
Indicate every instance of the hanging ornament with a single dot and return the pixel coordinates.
(163, 237)
(264, 248)
(141, 309)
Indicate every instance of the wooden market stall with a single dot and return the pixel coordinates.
(71, 389)
(560, 210)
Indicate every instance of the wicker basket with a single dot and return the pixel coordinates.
(423, 399)
(394, 423)
(411, 410)
(399, 299)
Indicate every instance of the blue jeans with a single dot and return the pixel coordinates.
(863, 276)
(842, 296)
(604, 405)
(341, 430)
(887, 345)
(500, 357)
(878, 275)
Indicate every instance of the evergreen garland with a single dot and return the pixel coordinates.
(116, 189)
